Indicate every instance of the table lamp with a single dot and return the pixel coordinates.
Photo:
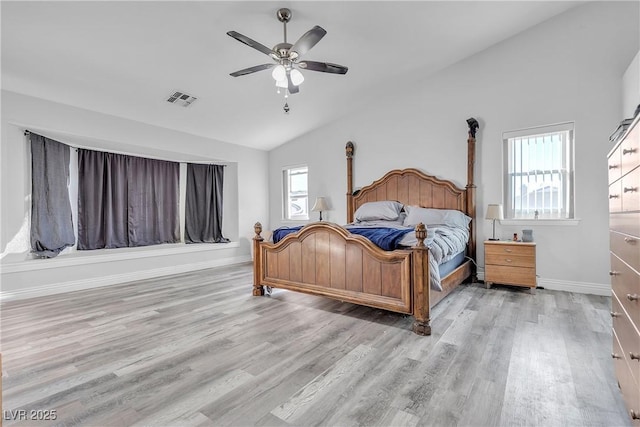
(320, 205)
(494, 212)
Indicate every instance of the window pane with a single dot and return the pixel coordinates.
(539, 174)
(295, 193)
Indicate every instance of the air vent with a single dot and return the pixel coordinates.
(181, 98)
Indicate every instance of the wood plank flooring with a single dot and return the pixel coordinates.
(198, 350)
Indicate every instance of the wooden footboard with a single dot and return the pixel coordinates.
(324, 259)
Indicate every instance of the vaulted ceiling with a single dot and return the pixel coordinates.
(125, 58)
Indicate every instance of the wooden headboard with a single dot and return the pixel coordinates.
(413, 187)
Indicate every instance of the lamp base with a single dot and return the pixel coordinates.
(493, 240)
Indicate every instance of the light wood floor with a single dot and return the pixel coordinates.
(198, 349)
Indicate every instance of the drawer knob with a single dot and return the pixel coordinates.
(628, 151)
(507, 260)
(613, 196)
(630, 189)
(630, 240)
(616, 356)
(613, 166)
(633, 297)
(508, 250)
(634, 356)
(634, 415)
(614, 273)
(614, 314)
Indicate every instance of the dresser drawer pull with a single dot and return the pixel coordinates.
(634, 415)
(613, 166)
(628, 151)
(630, 240)
(633, 297)
(508, 250)
(616, 356)
(615, 314)
(507, 260)
(634, 356)
(613, 196)
(614, 273)
(630, 189)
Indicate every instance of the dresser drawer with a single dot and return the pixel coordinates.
(631, 191)
(615, 165)
(625, 375)
(510, 275)
(628, 336)
(630, 151)
(627, 223)
(626, 248)
(625, 283)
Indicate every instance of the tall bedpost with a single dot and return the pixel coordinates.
(349, 151)
(421, 304)
(471, 187)
(258, 289)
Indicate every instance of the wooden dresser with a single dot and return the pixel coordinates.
(624, 240)
(512, 263)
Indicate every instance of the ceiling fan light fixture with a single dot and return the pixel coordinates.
(279, 73)
(282, 83)
(296, 77)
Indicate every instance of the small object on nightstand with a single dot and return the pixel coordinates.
(515, 237)
(510, 263)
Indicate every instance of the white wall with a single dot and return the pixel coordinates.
(569, 68)
(631, 88)
(246, 197)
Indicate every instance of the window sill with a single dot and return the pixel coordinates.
(541, 222)
(12, 265)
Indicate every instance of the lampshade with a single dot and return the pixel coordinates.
(296, 77)
(320, 205)
(282, 83)
(494, 211)
(279, 73)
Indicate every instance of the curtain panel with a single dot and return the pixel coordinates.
(126, 201)
(203, 212)
(51, 218)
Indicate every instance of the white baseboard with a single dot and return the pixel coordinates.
(570, 286)
(77, 285)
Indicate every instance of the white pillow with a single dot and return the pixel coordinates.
(430, 216)
(372, 211)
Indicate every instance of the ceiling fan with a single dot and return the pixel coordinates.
(286, 56)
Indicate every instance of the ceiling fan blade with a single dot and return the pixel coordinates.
(308, 40)
(323, 67)
(250, 42)
(252, 70)
(292, 88)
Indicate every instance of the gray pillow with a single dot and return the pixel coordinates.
(388, 210)
(430, 216)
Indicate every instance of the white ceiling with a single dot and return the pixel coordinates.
(125, 58)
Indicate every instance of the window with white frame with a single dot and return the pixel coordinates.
(539, 172)
(296, 200)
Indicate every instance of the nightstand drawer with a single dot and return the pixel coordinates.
(509, 249)
(510, 275)
(510, 260)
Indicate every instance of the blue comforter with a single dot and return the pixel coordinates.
(385, 238)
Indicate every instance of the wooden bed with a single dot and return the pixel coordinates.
(325, 259)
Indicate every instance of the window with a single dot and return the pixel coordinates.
(539, 172)
(296, 202)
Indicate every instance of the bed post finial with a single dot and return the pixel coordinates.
(350, 151)
(258, 289)
(421, 234)
(471, 188)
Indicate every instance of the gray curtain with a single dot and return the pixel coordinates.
(51, 220)
(126, 200)
(203, 219)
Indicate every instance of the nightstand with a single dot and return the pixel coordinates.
(510, 263)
